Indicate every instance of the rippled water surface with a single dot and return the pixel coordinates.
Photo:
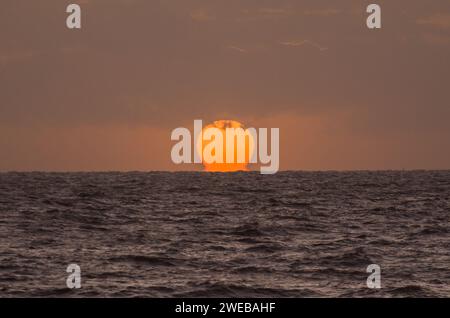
(293, 234)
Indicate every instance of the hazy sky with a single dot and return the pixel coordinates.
(106, 97)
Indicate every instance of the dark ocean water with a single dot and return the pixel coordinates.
(293, 234)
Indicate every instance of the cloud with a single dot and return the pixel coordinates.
(201, 15)
(298, 43)
(237, 48)
(436, 39)
(322, 12)
(275, 11)
(14, 57)
(439, 20)
(266, 14)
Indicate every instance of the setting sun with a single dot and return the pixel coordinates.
(236, 153)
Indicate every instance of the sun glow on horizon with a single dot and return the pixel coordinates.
(229, 147)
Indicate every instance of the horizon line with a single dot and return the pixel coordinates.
(221, 172)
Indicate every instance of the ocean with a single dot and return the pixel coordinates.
(198, 234)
